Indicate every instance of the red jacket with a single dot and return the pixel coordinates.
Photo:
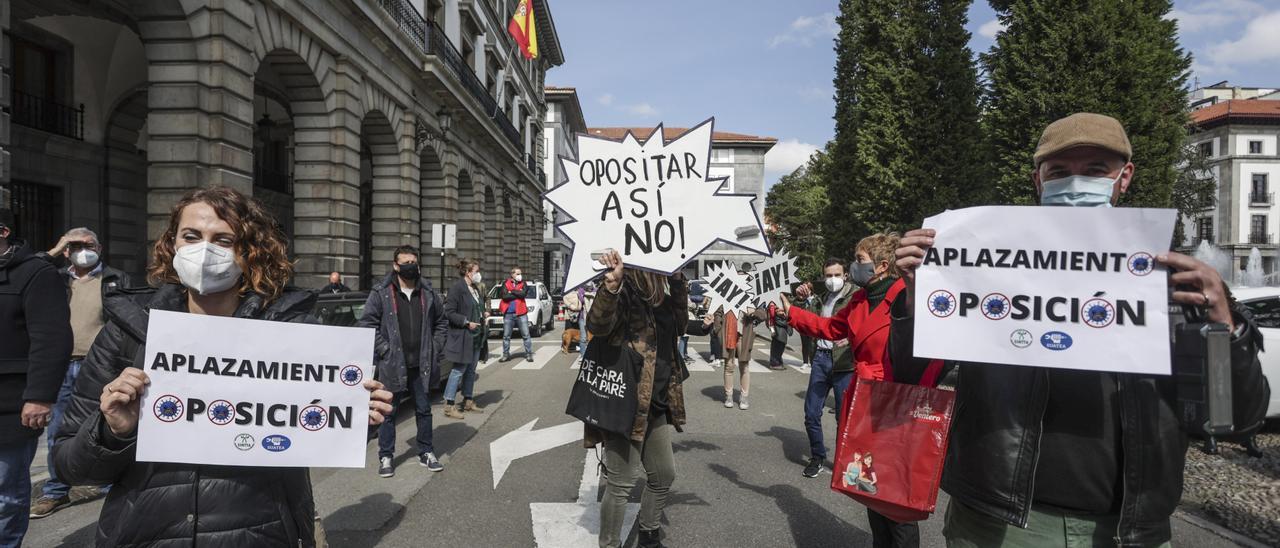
(866, 330)
(513, 292)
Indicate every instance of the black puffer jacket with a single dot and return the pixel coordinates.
(171, 505)
(35, 337)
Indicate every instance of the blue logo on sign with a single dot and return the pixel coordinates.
(1056, 340)
(276, 443)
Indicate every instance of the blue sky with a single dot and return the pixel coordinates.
(765, 68)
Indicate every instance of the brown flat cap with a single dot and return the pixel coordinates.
(1083, 129)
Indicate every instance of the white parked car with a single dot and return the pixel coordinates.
(542, 314)
(1264, 303)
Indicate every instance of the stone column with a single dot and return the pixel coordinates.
(396, 195)
(453, 23)
(200, 105)
(480, 55)
(326, 186)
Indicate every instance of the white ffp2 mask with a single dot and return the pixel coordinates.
(206, 268)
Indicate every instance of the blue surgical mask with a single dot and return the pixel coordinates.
(1079, 191)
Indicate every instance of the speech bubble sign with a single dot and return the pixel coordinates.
(653, 201)
(772, 278)
(727, 288)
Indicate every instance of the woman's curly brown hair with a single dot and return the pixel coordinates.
(259, 246)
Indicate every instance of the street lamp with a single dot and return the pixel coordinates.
(425, 135)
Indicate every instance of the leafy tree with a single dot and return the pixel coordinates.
(1115, 57)
(795, 207)
(907, 140)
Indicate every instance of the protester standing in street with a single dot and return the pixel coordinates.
(515, 312)
(832, 366)
(781, 328)
(647, 312)
(863, 323)
(335, 284)
(410, 324)
(809, 345)
(465, 346)
(35, 348)
(1071, 457)
(221, 255)
(88, 281)
(739, 335)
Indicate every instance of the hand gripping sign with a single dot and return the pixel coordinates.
(243, 392)
(654, 202)
(1063, 287)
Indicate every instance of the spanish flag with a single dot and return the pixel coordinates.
(522, 28)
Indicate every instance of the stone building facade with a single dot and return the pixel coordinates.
(359, 123)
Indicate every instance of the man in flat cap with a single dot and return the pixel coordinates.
(1063, 457)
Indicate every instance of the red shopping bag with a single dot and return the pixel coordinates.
(890, 447)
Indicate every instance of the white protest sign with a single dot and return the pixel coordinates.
(1063, 287)
(772, 278)
(655, 202)
(727, 288)
(244, 392)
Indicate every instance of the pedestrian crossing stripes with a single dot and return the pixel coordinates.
(540, 358)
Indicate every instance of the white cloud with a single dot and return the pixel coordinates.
(785, 157)
(1259, 42)
(606, 99)
(804, 30)
(1214, 14)
(991, 28)
(641, 109)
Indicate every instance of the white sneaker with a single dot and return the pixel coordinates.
(742, 403)
(728, 402)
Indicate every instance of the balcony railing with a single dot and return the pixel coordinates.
(1259, 198)
(433, 41)
(1259, 238)
(45, 115)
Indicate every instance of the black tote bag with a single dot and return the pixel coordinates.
(604, 392)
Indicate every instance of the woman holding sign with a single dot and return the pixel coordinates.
(648, 312)
(221, 255)
(864, 322)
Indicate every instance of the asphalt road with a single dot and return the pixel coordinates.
(738, 474)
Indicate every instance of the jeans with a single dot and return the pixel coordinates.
(624, 462)
(822, 381)
(54, 489)
(422, 415)
(15, 490)
(682, 347)
(507, 322)
(464, 373)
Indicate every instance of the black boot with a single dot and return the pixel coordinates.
(650, 539)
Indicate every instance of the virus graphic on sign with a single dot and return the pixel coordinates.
(221, 412)
(351, 375)
(168, 408)
(313, 417)
(995, 306)
(1141, 264)
(942, 303)
(655, 201)
(1098, 312)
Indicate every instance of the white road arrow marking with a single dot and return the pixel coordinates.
(525, 441)
(575, 524)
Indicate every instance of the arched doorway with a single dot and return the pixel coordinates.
(492, 260)
(379, 177)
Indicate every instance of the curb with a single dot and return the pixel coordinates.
(1218, 530)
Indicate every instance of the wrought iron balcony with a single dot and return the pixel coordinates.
(433, 41)
(1259, 238)
(45, 115)
(1261, 198)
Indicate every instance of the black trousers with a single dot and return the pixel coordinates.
(886, 533)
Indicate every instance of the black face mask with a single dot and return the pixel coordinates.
(409, 271)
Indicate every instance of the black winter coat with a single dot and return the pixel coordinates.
(176, 505)
(381, 313)
(35, 337)
(460, 346)
(999, 420)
